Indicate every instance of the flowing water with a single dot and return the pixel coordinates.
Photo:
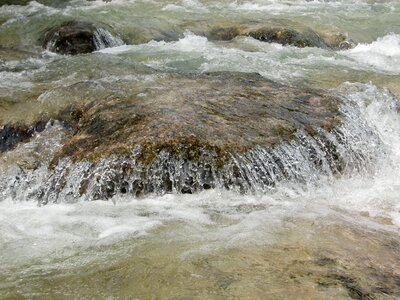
(315, 235)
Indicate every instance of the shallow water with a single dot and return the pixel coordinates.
(331, 237)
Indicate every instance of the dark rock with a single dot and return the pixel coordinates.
(78, 37)
(223, 33)
(13, 2)
(54, 3)
(325, 261)
(287, 36)
(12, 134)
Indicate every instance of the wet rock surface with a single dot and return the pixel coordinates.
(226, 112)
(78, 37)
(187, 133)
(12, 134)
(285, 36)
(55, 3)
(297, 36)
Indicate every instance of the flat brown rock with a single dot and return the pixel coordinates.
(184, 133)
(284, 33)
(226, 112)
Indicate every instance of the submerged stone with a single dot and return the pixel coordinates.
(77, 37)
(338, 41)
(223, 33)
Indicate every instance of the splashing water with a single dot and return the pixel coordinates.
(314, 218)
(353, 148)
(104, 39)
(382, 54)
(367, 144)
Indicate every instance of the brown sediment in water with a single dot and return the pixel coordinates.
(305, 259)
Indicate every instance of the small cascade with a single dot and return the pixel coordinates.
(353, 147)
(104, 39)
(51, 44)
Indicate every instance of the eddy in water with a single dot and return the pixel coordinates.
(199, 149)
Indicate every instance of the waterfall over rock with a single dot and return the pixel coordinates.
(190, 133)
(77, 37)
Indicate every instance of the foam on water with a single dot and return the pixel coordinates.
(376, 192)
(11, 80)
(273, 7)
(306, 160)
(32, 237)
(268, 59)
(21, 13)
(306, 7)
(241, 218)
(273, 61)
(18, 77)
(382, 55)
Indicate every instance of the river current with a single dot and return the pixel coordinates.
(328, 237)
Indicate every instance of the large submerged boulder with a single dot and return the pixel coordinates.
(301, 38)
(226, 112)
(77, 37)
(287, 36)
(298, 36)
(186, 133)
